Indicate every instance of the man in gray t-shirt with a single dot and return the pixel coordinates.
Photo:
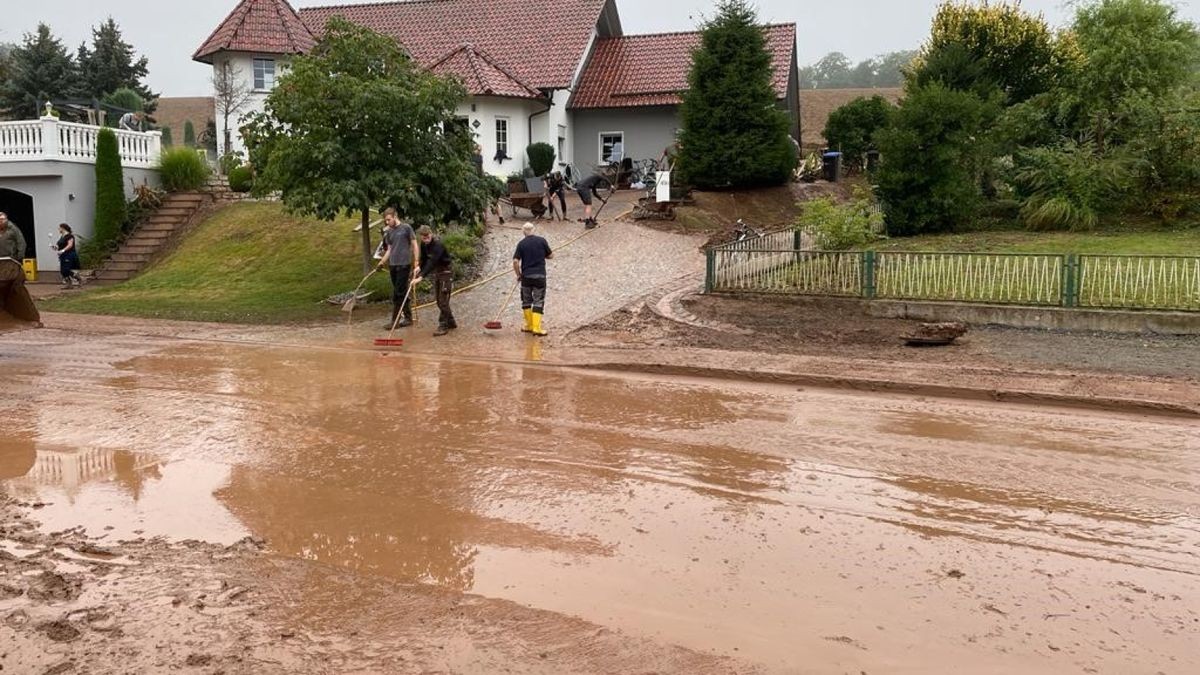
(400, 250)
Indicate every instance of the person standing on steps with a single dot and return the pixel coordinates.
(400, 253)
(436, 261)
(12, 242)
(588, 188)
(68, 257)
(529, 264)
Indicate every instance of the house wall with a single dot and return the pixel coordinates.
(63, 192)
(242, 64)
(648, 131)
(485, 110)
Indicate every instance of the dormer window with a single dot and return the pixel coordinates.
(264, 74)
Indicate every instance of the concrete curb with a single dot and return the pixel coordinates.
(1100, 403)
(1043, 318)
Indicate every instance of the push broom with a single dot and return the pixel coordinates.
(390, 341)
(495, 324)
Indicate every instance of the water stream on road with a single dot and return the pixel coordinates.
(761, 521)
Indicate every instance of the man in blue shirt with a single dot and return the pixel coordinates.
(529, 264)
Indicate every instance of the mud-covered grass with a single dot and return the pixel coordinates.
(249, 263)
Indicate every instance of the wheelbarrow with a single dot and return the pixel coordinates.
(532, 202)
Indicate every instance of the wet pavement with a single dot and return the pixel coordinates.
(790, 530)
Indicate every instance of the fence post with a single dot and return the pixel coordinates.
(868, 274)
(1070, 286)
(710, 270)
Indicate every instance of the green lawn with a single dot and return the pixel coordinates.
(249, 263)
(1142, 240)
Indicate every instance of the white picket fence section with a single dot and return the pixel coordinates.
(1127, 281)
(749, 264)
(50, 139)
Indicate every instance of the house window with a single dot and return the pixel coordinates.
(562, 143)
(612, 146)
(264, 74)
(502, 138)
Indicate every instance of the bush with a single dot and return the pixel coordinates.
(934, 154)
(167, 141)
(1069, 187)
(230, 161)
(541, 158)
(189, 134)
(182, 169)
(241, 178)
(840, 227)
(851, 128)
(125, 98)
(110, 191)
(463, 245)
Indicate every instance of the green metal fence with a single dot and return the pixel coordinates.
(778, 263)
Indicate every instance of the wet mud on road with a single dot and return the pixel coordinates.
(422, 514)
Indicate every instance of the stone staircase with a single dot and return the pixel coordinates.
(178, 212)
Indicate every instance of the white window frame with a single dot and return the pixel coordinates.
(507, 134)
(600, 145)
(254, 74)
(562, 143)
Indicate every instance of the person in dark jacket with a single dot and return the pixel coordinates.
(556, 185)
(68, 257)
(439, 267)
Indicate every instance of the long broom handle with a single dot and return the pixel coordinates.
(507, 301)
(396, 321)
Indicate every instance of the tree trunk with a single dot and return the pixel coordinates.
(366, 239)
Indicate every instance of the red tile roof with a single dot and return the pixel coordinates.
(262, 26)
(539, 41)
(481, 75)
(648, 70)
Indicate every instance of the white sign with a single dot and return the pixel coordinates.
(662, 186)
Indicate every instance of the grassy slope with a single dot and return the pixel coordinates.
(250, 263)
(1146, 241)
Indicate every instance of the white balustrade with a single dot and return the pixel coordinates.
(50, 139)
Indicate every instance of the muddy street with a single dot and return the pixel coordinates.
(589, 522)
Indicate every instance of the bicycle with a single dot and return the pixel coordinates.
(742, 231)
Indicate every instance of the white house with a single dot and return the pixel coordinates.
(560, 72)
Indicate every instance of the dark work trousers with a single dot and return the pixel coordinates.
(401, 276)
(533, 294)
(443, 286)
(562, 199)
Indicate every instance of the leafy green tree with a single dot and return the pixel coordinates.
(110, 64)
(851, 128)
(356, 125)
(889, 68)
(833, 71)
(189, 134)
(110, 190)
(1136, 51)
(993, 45)
(733, 132)
(41, 70)
(935, 156)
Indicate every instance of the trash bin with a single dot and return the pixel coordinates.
(872, 160)
(30, 267)
(831, 163)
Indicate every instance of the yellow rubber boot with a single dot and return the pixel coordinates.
(528, 321)
(537, 325)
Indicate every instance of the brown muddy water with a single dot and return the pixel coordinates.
(794, 530)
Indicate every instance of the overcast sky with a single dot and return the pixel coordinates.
(168, 31)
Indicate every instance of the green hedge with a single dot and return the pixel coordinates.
(110, 191)
(241, 178)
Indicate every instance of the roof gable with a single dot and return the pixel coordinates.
(260, 26)
(481, 75)
(649, 70)
(513, 33)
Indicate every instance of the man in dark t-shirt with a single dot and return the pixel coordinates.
(529, 264)
(588, 188)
